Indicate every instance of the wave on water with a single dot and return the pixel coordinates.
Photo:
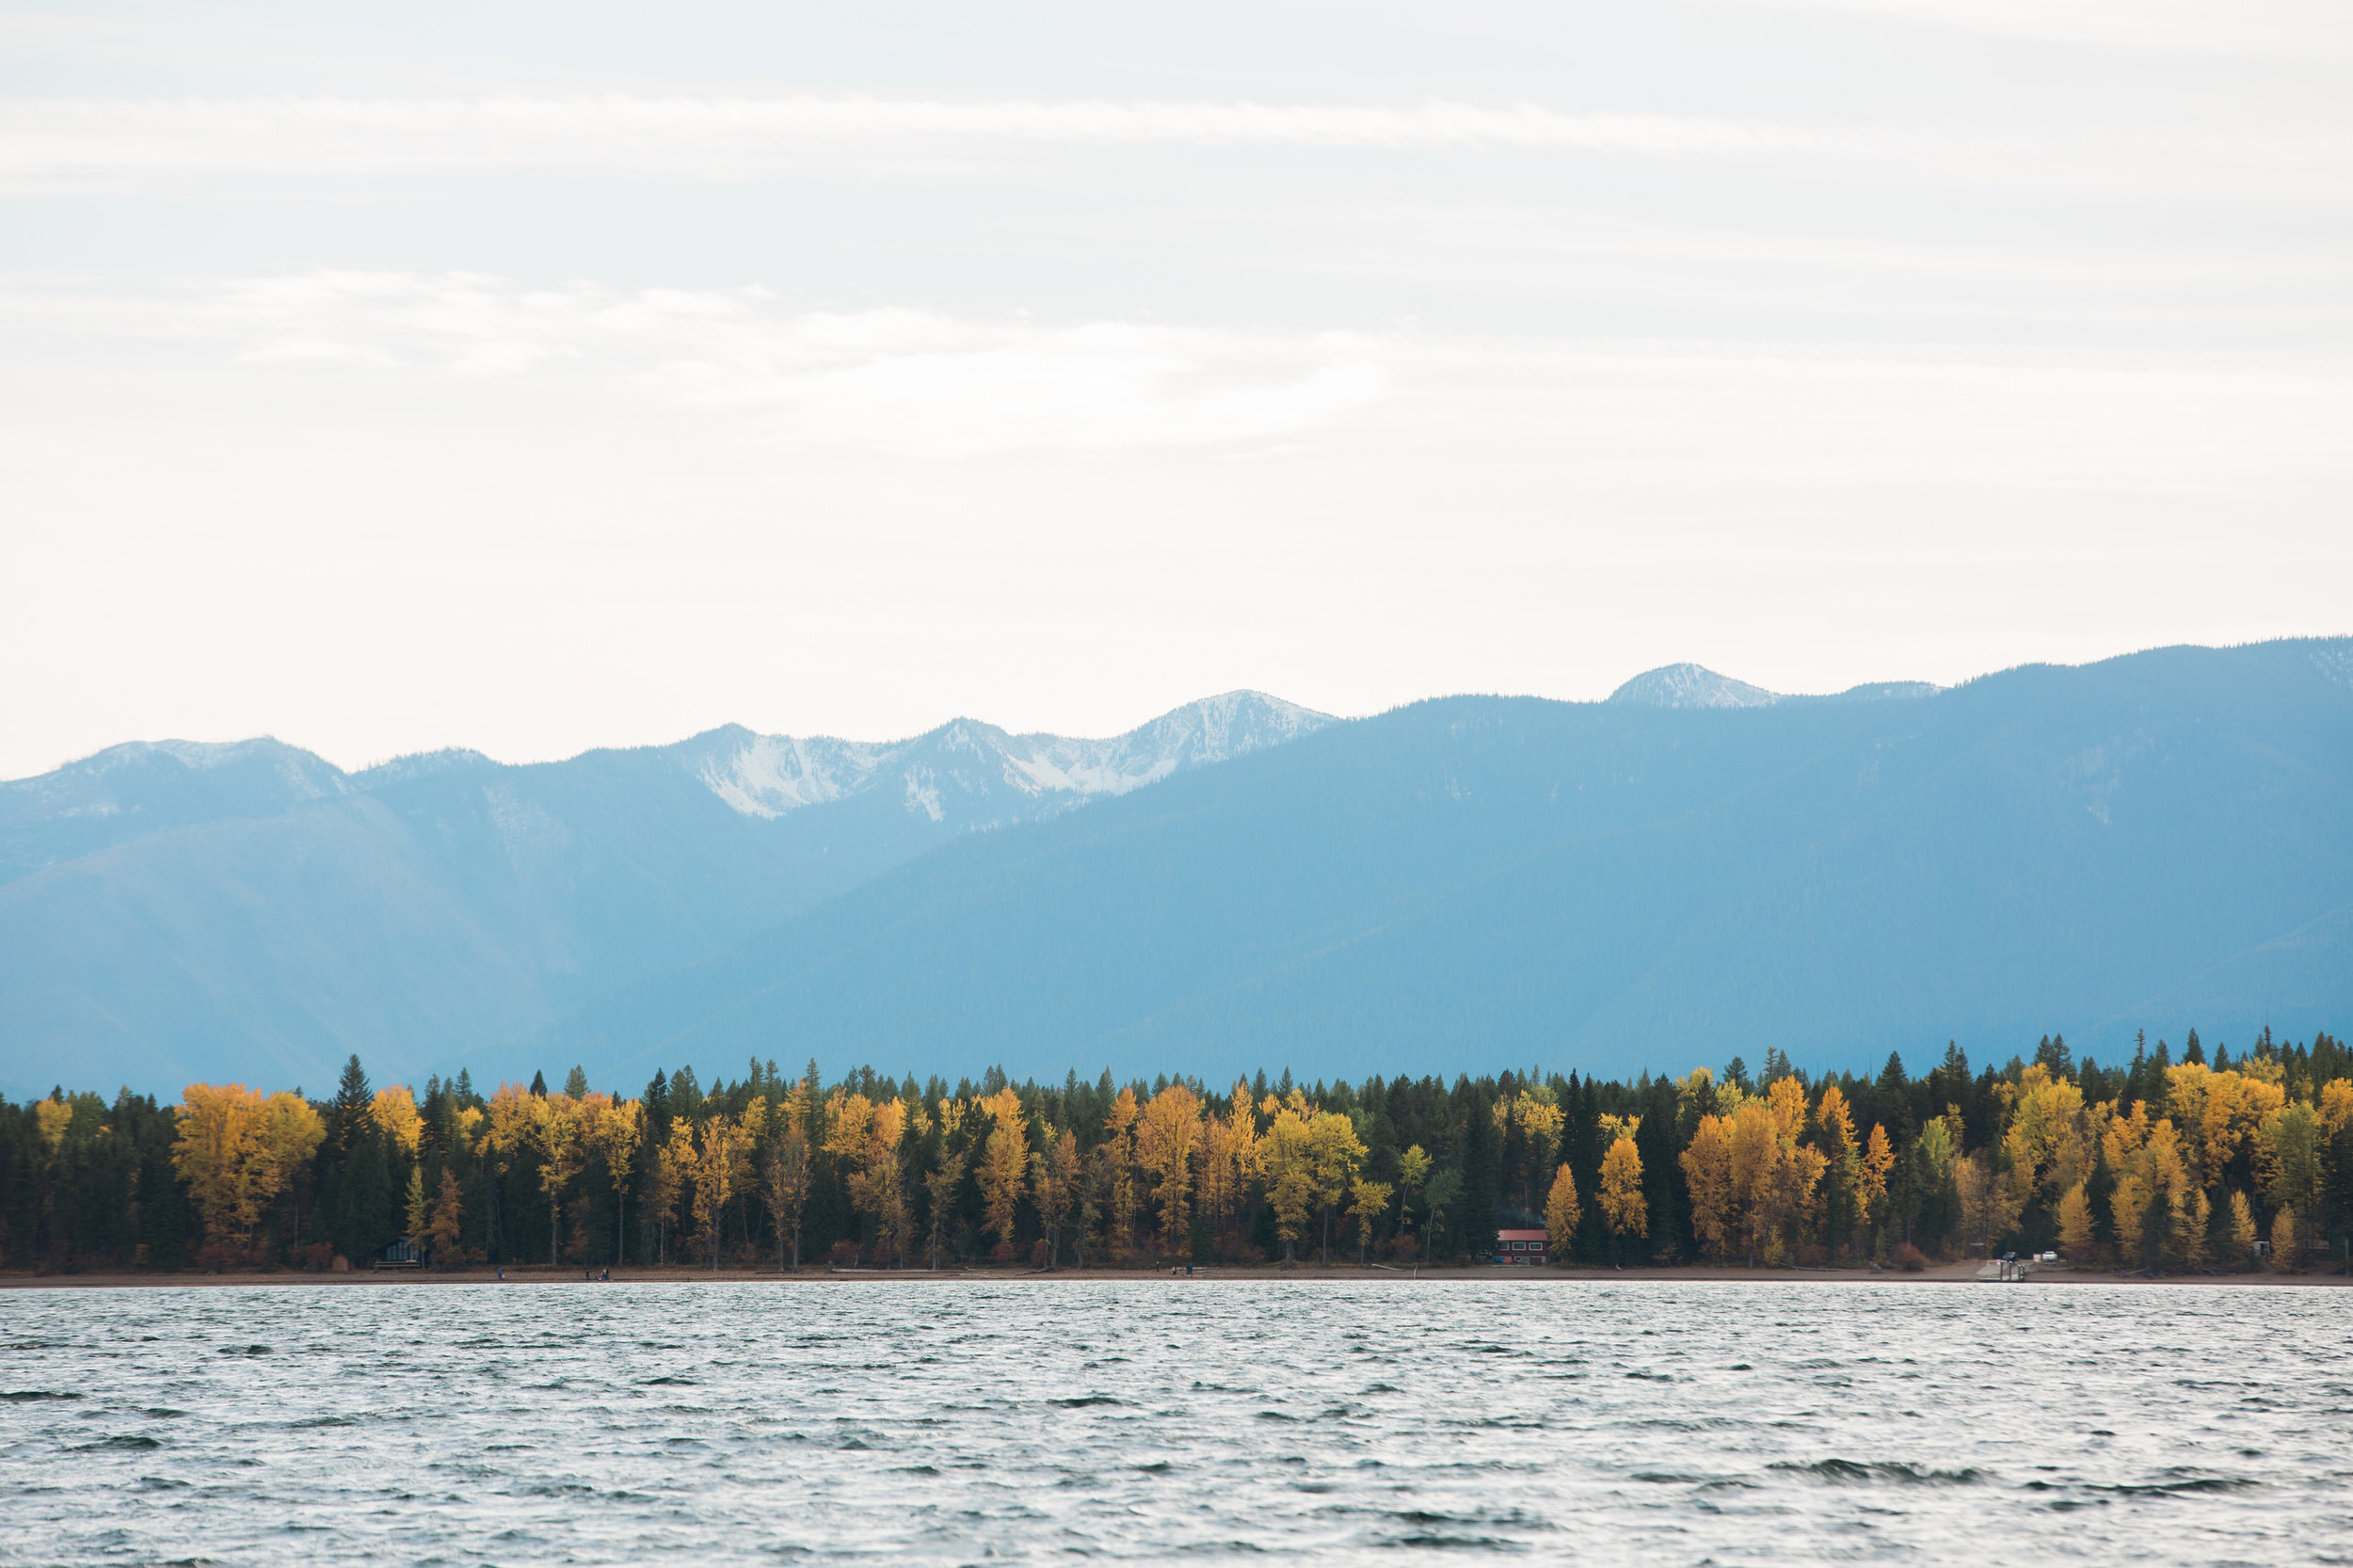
(1324, 1423)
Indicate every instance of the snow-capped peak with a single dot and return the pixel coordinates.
(1691, 686)
(979, 773)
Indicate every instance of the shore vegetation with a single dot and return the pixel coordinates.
(2167, 1164)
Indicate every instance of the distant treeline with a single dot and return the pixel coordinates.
(2169, 1164)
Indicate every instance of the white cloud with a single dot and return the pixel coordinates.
(907, 382)
(84, 143)
(58, 138)
(2275, 29)
(1636, 415)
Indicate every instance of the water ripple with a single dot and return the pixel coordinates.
(922, 1422)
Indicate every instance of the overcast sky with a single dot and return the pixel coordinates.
(392, 377)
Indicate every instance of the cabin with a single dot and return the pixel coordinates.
(1519, 1246)
(402, 1253)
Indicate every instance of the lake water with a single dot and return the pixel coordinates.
(958, 1421)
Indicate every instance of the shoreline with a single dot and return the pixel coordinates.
(1306, 1273)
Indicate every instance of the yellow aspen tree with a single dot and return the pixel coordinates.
(1563, 1213)
(1370, 1201)
(1413, 1175)
(507, 1129)
(1755, 1156)
(394, 1113)
(619, 1128)
(878, 1187)
(1228, 1144)
(718, 1168)
(2287, 1242)
(1120, 1165)
(2335, 1105)
(2242, 1227)
(2237, 1105)
(1879, 1159)
(2075, 1224)
(2193, 1222)
(217, 1151)
(1289, 1165)
(1004, 1167)
(1707, 1162)
(291, 1131)
(1624, 1208)
(847, 1118)
(2185, 1084)
(1053, 1185)
(1990, 1203)
(1536, 1114)
(1841, 1155)
(785, 1175)
(552, 1131)
(1335, 1153)
(1167, 1134)
(54, 1116)
(673, 1169)
(2173, 1177)
(2045, 1137)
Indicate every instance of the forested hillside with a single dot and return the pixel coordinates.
(2162, 1163)
(2132, 845)
(172, 910)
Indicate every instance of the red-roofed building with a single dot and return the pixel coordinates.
(1519, 1246)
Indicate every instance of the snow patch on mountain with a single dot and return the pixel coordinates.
(958, 768)
(1691, 686)
(767, 776)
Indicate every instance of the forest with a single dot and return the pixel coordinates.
(2164, 1165)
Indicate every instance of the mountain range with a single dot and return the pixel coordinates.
(1693, 869)
(172, 910)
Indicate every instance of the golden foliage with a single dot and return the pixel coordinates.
(446, 1223)
(1748, 1176)
(1230, 1160)
(717, 1165)
(1004, 1164)
(394, 1113)
(2217, 1113)
(1337, 1154)
(2242, 1225)
(2335, 1105)
(1878, 1157)
(2289, 1159)
(2075, 1224)
(1563, 1213)
(2045, 1141)
(53, 1117)
(1166, 1136)
(1370, 1201)
(1287, 1159)
(1989, 1203)
(1119, 1156)
(1535, 1112)
(1623, 1206)
(236, 1151)
(1055, 1172)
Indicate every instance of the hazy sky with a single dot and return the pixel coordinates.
(532, 377)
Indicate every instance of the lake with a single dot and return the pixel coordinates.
(955, 1421)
